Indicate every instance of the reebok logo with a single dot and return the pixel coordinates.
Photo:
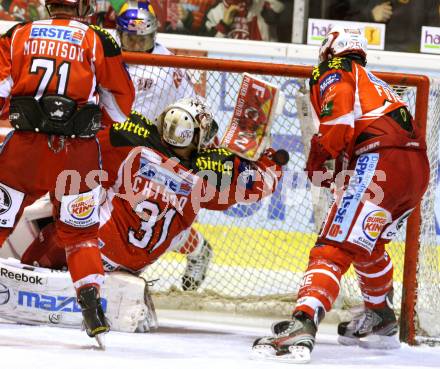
(21, 277)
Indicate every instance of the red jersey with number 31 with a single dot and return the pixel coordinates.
(153, 199)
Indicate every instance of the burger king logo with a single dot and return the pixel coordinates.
(374, 223)
(5, 200)
(82, 207)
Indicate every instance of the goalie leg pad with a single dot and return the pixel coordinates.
(42, 296)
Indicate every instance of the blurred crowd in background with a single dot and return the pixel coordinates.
(267, 20)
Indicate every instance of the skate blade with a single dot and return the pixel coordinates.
(380, 342)
(100, 338)
(297, 354)
(348, 341)
(375, 342)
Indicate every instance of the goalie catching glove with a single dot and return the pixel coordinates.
(248, 132)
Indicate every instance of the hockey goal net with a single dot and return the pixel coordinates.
(261, 250)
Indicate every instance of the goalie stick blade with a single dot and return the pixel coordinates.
(100, 338)
(297, 354)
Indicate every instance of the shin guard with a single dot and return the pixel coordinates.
(375, 274)
(321, 282)
(85, 265)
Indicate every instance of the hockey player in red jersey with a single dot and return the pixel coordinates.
(159, 178)
(367, 128)
(56, 72)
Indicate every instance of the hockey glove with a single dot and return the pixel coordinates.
(269, 160)
(315, 168)
(270, 170)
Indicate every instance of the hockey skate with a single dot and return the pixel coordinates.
(196, 267)
(292, 342)
(371, 329)
(94, 320)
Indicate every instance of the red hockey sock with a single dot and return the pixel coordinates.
(85, 265)
(320, 285)
(375, 273)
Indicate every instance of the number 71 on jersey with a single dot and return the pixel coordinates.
(248, 132)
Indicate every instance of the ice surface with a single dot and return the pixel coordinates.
(193, 340)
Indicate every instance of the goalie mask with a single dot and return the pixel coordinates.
(187, 121)
(137, 26)
(342, 41)
(84, 8)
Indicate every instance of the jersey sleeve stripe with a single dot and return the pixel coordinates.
(110, 105)
(6, 87)
(357, 100)
(376, 113)
(346, 120)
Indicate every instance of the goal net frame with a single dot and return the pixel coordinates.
(422, 85)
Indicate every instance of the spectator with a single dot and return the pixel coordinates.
(403, 18)
(189, 16)
(21, 10)
(245, 19)
(105, 16)
(316, 9)
(335, 9)
(285, 22)
(268, 20)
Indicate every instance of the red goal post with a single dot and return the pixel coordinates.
(417, 87)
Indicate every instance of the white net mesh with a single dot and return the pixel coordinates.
(261, 250)
(428, 279)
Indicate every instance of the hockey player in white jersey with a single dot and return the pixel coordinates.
(157, 88)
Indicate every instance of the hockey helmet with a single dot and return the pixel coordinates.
(343, 41)
(187, 121)
(83, 8)
(137, 26)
